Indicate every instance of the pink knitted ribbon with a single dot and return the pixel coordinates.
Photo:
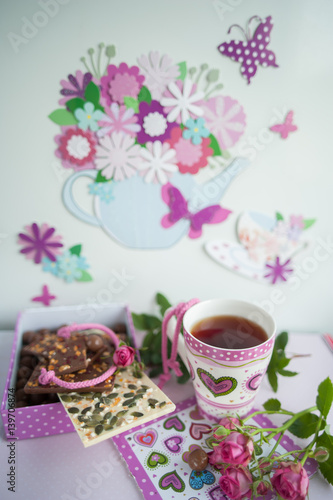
(46, 377)
(172, 363)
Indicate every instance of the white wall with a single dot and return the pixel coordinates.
(292, 176)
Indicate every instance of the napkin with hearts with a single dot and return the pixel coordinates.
(157, 455)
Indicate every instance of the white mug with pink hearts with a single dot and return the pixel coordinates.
(226, 379)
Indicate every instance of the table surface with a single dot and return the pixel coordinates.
(59, 468)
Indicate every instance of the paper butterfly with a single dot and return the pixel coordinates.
(285, 128)
(254, 50)
(179, 210)
(45, 298)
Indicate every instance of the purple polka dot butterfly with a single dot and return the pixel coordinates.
(253, 51)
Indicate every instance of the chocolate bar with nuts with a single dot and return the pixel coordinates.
(67, 356)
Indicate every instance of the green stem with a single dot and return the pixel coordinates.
(309, 447)
(276, 445)
(270, 412)
(277, 430)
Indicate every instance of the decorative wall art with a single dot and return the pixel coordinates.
(143, 134)
(267, 246)
(43, 246)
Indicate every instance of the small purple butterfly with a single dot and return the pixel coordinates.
(254, 50)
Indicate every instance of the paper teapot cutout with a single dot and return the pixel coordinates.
(133, 217)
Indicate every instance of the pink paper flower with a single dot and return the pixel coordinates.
(236, 483)
(118, 156)
(118, 119)
(297, 221)
(234, 449)
(120, 82)
(75, 86)
(123, 356)
(225, 119)
(159, 71)
(291, 481)
(76, 149)
(39, 242)
(189, 157)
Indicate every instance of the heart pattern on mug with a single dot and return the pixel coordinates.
(217, 386)
(147, 438)
(174, 423)
(172, 480)
(155, 459)
(197, 430)
(173, 443)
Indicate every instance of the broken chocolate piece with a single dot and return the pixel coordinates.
(67, 356)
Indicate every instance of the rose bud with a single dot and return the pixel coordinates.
(123, 356)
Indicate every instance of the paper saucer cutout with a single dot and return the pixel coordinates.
(266, 246)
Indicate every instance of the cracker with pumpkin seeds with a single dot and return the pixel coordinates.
(133, 401)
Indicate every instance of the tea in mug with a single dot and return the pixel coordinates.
(229, 332)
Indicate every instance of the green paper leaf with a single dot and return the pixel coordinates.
(92, 93)
(308, 223)
(144, 95)
(326, 468)
(325, 396)
(74, 104)
(279, 216)
(305, 425)
(63, 117)
(85, 276)
(225, 154)
(182, 70)
(281, 341)
(100, 177)
(76, 250)
(130, 102)
(272, 405)
(214, 145)
(162, 302)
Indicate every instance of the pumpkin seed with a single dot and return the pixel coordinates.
(141, 391)
(113, 420)
(116, 386)
(128, 402)
(152, 401)
(108, 427)
(162, 405)
(97, 410)
(132, 386)
(145, 387)
(73, 410)
(120, 421)
(88, 395)
(99, 429)
(113, 395)
(138, 396)
(97, 405)
(128, 395)
(86, 410)
(66, 399)
(137, 414)
(81, 418)
(107, 415)
(121, 413)
(132, 404)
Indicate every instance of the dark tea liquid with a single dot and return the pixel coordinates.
(229, 332)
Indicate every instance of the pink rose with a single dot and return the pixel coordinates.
(291, 481)
(227, 423)
(234, 449)
(123, 356)
(262, 488)
(236, 483)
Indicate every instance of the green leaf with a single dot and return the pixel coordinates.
(222, 431)
(308, 223)
(257, 449)
(145, 321)
(282, 362)
(147, 341)
(214, 145)
(326, 468)
(281, 341)
(279, 216)
(76, 250)
(272, 379)
(85, 276)
(92, 93)
(144, 95)
(163, 303)
(100, 177)
(287, 373)
(63, 117)
(272, 405)
(132, 103)
(74, 104)
(304, 426)
(182, 70)
(325, 396)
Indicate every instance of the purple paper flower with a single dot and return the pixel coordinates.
(121, 82)
(75, 86)
(153, 122)
(278, 271)
(39, 242)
